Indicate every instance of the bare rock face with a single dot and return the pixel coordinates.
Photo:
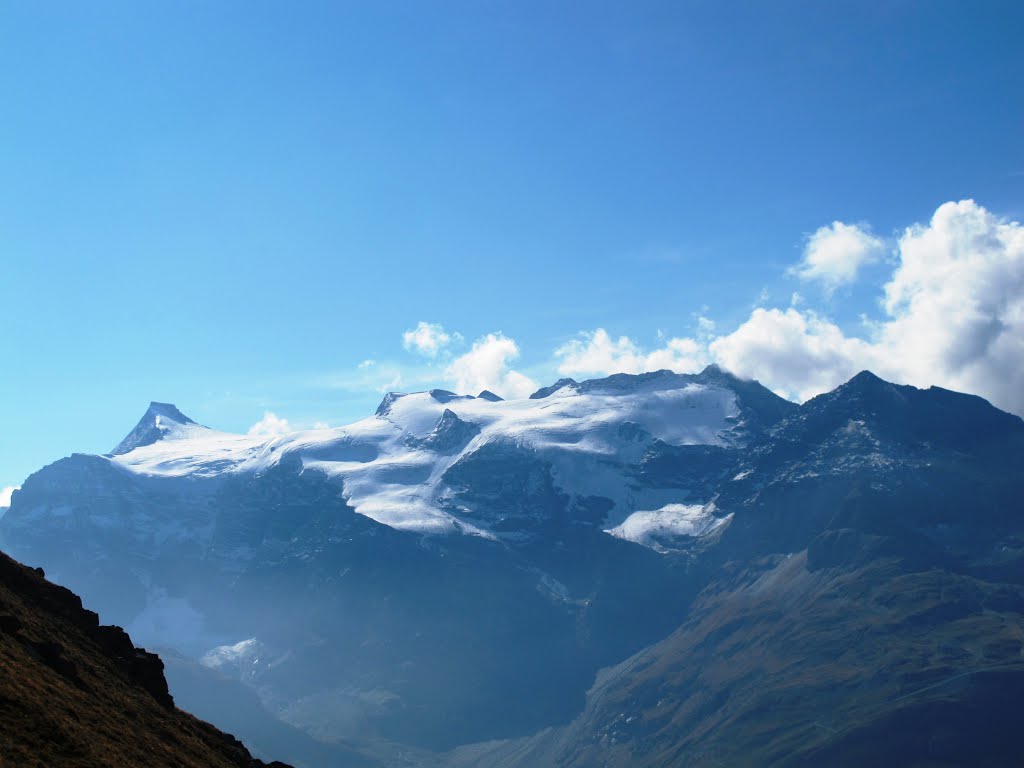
(450, 434)
(137, 664)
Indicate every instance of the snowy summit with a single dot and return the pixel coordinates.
(408, 465)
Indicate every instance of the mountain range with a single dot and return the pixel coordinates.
(654, 569)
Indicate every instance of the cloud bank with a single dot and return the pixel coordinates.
(951, 315)
(956, 305)
(796, 354)
(596, 353)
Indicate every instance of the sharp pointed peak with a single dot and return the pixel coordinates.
(865, 382)
(715, 372)
(166, 411)
(866, 377)
(155, 424)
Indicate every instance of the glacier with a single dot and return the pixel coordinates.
(394, 466)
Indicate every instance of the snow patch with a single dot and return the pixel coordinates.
(245, 652)
(589, 433)
(656, 528)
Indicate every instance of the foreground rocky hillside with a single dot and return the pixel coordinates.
(76, 693)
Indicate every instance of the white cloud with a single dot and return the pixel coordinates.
(794, 353)
(597, 353)
(956, 303)
(834, 254)
(954, 317)
(366, 364)
(951, 314)
(6, 493)
(270, 425)
(486, 366)
(428, 339)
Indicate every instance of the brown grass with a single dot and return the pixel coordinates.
(75, 705)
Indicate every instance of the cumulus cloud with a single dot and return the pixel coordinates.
(486, 366)
(6, 493)
(951, 314)
(956, 304)
(597, 354)
(797, 354)
(833, 255)
(428, 339)
(953, 317)
(270, 425)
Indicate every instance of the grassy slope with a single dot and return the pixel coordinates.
(71, 696)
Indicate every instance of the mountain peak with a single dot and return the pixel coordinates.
(166, 411)
(866, 379)
(867, 385)
(158, 420)
(389, 399)
(543, 392)
(715, 373)
(904, 413)
(443, 396)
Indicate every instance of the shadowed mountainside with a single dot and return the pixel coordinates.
(752, 582)
(865, 606)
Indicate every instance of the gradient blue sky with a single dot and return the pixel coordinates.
(231, 205)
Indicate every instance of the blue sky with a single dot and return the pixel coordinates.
(235, 206)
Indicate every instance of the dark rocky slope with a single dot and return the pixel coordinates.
(75, 693)
(864, 607)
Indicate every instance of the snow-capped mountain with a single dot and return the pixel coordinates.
(411, 465)
(160, 421)
(412, 538)
(455, 569)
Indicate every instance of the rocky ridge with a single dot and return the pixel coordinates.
(75, 692)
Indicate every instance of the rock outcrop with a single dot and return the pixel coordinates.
(75, 692)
